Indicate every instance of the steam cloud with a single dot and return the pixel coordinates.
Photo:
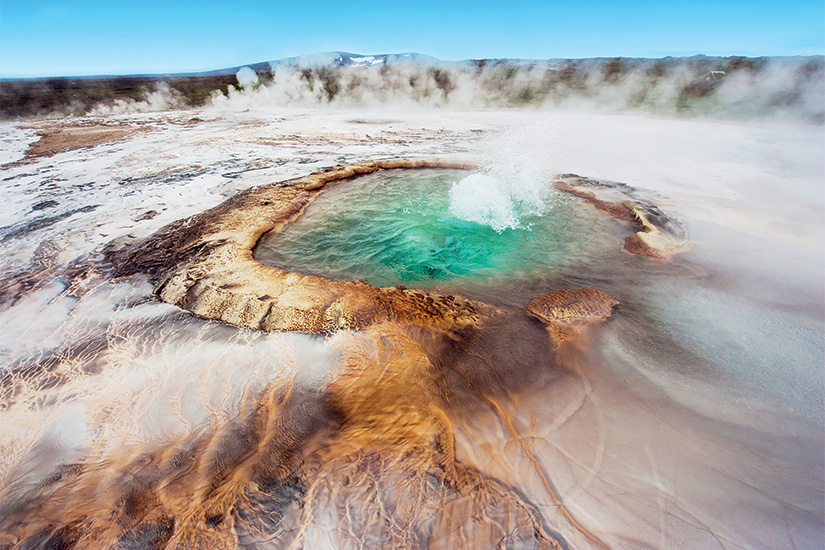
(788, 88)
(247, 77)
(700, 86)
(162, 98)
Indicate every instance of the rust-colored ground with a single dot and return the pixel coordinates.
(58, 137)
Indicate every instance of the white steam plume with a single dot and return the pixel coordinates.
(247, 78)
(790, 88)
(162, 98)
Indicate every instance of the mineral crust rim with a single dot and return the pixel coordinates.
(205, 264)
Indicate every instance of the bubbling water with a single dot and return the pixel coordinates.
(499, 203)
(511, 188)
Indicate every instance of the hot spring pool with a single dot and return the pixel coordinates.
(694, 413)
(427, 228)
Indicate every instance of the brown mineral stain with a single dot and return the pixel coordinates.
(566, 311)
(59, 138)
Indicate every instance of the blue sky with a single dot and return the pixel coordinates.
(51, 38)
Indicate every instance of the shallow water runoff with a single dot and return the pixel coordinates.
(691, 418)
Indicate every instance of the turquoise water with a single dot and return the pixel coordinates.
(397, 227)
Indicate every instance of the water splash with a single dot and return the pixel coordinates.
(395, 227)
(512, 183)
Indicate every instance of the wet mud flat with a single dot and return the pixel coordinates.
(692, 414)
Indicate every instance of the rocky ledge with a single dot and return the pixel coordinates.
(567, 311)
(659, 236)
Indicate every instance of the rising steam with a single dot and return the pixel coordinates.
(697, 86)
(162, 98)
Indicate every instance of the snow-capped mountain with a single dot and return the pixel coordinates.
(347, 59)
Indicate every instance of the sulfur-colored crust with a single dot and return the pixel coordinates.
(654, 241)
(566, 311)
(585, 304)
(617, 210)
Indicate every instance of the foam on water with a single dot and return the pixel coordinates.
(480, 198)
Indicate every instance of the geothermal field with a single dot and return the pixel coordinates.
(368, 304)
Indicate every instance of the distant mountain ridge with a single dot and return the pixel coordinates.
(349, 59)
(332, 59)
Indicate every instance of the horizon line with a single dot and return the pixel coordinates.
(195, 73)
